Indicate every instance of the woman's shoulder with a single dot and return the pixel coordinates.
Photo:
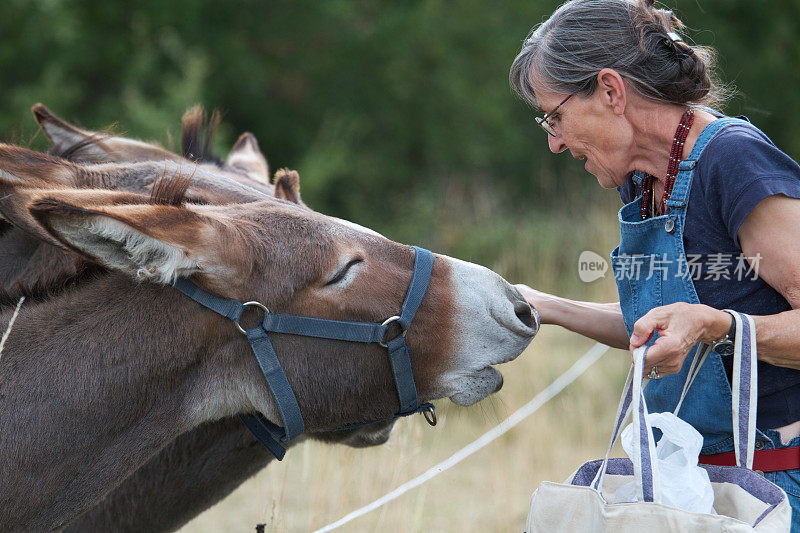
(739, 167)
(742, 149)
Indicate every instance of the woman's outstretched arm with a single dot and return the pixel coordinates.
(601, 322)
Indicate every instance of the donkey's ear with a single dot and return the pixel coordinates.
(82, 146)
(15, 199)
(247, 157)
(24, 167)
(14, 202)
(154, 242)
(61, 133)
(287, 185)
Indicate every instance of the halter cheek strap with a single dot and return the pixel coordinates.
(274, 436)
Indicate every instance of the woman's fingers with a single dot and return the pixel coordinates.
(643, 329)
(666, 355)
(538, 300)
(676, 336)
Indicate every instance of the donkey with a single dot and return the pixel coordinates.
(245, 163)
(199, 468)
(122, 357)
(32, 267)
(195, 471)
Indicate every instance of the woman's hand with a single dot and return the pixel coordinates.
(599, 321)
(541, 301)
(680, 326)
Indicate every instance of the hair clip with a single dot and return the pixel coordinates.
(675, 42)
(674, 37)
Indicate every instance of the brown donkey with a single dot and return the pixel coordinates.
(31, 267)
(205, 465)
(121, 365)
(200, 467)
(245, 162)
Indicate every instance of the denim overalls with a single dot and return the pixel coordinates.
(650, 268)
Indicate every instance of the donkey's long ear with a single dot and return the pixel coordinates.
(15, 197)
(28, 168)
(14, 200)
(64, 135)
(153, 242)
(247, 157)
(83, 146)
(287, 185)
(20, 168)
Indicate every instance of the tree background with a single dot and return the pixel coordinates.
(397, 115)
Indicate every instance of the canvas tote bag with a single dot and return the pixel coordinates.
(743, 499)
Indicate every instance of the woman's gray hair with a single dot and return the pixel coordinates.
(565, 53)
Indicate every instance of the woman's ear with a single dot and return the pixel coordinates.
(611, 90)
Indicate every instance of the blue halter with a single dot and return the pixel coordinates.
(273, 436)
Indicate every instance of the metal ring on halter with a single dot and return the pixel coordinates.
(395, 318)
(653, 373)
(250, 304)
(429, 413)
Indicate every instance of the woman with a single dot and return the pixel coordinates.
(621, 90)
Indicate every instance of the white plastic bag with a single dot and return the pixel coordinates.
(684, 484)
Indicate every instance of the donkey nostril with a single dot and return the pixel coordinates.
(499, 384)
(524, 313)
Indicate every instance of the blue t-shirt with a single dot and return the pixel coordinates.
(738, 168)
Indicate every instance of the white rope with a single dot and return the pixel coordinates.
(575, 371)
(10, 325)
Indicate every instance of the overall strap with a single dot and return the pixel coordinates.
(683, 182)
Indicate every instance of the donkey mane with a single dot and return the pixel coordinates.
(170, 190)
(198, 135)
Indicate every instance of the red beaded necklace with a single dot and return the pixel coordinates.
(675, 157)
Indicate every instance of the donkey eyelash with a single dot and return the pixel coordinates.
(343, 271)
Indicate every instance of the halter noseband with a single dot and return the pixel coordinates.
(271, 435)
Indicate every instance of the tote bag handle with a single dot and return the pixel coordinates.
(745, 394)
(744, 386)
(644, 449)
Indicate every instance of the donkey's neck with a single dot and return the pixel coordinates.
(92, 384)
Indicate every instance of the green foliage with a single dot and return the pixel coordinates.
(383, 107)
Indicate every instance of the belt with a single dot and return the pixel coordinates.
(764, 460)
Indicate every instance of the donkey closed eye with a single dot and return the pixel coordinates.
(342, 272)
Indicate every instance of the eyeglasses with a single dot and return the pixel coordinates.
(545, 124)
